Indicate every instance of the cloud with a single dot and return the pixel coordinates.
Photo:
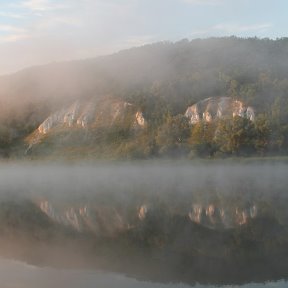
(204, 2)
(9, 33)
(199, 33)
(230, 29)
(14, 37)
(9, 28)
(41, 5)
(11, 15)
(235, 28)
(55, 21)
(140, 40)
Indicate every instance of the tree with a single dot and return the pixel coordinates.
(202, 139)
(236, 136)
(263, 133)
(173, 134)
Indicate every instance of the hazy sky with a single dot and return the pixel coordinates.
(40, 31)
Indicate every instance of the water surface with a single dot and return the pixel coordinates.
(15, 274)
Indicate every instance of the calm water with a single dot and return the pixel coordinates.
(15, 274)
(71, 181)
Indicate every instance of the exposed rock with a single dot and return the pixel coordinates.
(218, 107)
(140, 120)
(86, 114)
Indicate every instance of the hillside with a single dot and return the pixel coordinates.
(161, 80)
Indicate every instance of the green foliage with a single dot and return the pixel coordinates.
(236, 136)
(173, 134)
(5, 137)
(162, 80)
(263, 133)
(202, 139)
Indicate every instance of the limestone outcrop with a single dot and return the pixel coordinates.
(217, 108)
(89, 114)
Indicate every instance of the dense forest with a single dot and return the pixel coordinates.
(162, 79)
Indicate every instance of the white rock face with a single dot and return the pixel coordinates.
(86, 114)
(76, 114)
(140, 119)
(216, 108)
(83, 114)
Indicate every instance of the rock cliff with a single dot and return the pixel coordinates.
(89, 114)
(218, 107)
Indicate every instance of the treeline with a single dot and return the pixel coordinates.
(235, 136)
(176, 137)
(252, 70)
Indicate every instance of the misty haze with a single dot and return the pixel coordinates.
(143, 143)
(139, 218)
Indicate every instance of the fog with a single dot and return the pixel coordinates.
(151, 177)
(103, 200)
(20, 275)
(47, 30)
(155, 78)
(79, 223)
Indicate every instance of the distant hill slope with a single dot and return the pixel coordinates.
(90, 114)
(177, 68)
(160, 79)
(86, 126)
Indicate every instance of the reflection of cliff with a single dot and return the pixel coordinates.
(96, 219)
(216, 108)
(109, 220)
(212, 216)
(156, 245)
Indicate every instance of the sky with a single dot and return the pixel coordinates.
(34, 32)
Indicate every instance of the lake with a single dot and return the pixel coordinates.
(15, 274)
(159, 221)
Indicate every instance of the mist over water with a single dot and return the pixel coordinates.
(20, 275)
(86, 179)
(70, 218)
(34, 277)
(129, 189)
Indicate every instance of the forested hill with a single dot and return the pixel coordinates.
(162, 80)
